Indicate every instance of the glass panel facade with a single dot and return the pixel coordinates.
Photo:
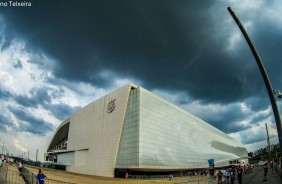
(169, 136)
(159, 134)
(129, 142)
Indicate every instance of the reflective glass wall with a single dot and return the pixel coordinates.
(128, 152)
(162, 135)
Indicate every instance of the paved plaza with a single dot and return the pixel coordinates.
(257, 177)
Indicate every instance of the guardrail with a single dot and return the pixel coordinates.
(25, 177)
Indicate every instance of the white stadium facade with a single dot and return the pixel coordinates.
(134, 130)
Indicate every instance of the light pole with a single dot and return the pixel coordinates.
(36, 154)
(268, 142)
(266, 81)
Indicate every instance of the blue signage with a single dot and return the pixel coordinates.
(211, 166)
(211, 162)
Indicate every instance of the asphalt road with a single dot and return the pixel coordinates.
(256, 177)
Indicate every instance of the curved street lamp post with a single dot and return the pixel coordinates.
(271, 93)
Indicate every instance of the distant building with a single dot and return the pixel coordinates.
(132, 129)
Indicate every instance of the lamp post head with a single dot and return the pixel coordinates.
(277, 93)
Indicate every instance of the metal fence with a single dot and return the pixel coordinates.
(195, 181)
(25, 177)
(8, 176)
(148, 176)
(183, 179)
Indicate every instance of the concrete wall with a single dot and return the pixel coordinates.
(96, 133)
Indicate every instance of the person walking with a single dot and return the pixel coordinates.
(20, 167)
(240, 174)
(227, 175)
(272, 166)
(40, 177)
(265, 169)
(170, 177)
(219, 175)
(232, 174)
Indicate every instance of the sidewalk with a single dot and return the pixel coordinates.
(256, 177)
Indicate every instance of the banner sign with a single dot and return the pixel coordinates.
(211, 166)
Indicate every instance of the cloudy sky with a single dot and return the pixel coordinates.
(58, 56)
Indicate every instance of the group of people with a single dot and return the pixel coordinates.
(230, 174)
(6, 159)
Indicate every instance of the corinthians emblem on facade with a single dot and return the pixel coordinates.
(111, 105)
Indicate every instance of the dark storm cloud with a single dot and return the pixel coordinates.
(260, 118)
(224, 119)
(32, 124)
(268, 43)
(4, 121)
(62, 111)
(227, 118)
(6, 37)
(167, 45)
(280, 104)
(251, 138)
(39, 96)
(71, 86)
(256, 104)
(5, 94)
(18, 65)
(25, 101)
(43, 97)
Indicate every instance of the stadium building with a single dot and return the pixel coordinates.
(134, 130)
